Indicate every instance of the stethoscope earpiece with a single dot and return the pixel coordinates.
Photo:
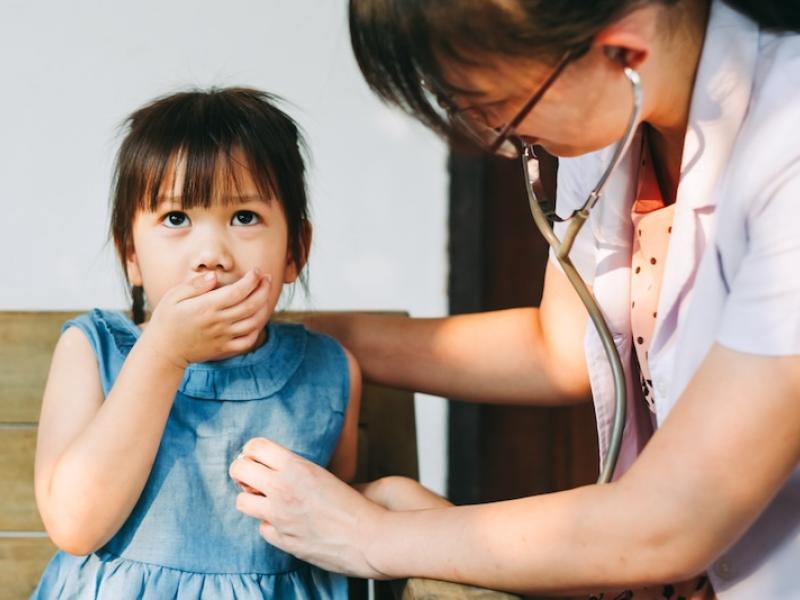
(616, 54)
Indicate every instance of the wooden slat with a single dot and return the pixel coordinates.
(22, 561)
(26, 344)
(387, 434)
(428, 589)
(17, 502)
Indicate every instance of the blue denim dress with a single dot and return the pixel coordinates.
(185, 539)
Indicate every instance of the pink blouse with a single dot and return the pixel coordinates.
(652, 221)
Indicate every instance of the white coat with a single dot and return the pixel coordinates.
(732, 272)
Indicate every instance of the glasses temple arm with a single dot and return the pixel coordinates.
(503, 134)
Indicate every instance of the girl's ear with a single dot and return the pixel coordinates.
(294, 265)
(132, 267)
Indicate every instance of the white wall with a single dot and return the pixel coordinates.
(71, 71)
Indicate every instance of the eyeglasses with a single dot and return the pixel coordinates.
(499, 142)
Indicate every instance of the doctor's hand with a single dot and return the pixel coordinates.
(305, 510)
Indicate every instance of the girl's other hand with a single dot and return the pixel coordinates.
(401, 493)
(305, 510)
(196, 321)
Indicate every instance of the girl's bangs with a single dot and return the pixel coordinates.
(198, 176)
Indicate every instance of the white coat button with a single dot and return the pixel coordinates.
(723, 568)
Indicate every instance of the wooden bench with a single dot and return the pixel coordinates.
(387, 446)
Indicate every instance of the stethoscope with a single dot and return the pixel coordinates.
(543, 215)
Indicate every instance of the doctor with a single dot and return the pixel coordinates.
(693, 253)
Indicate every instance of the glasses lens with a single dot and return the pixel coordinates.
(483, 135)
(474, 130)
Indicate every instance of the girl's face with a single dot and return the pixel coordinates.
(232, 236)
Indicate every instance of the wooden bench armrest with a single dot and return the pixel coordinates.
(429, 589)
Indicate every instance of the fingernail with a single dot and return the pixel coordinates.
(268, 277)
(257, 271)
(209, 276)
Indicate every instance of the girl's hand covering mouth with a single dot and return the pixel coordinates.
(201, 320)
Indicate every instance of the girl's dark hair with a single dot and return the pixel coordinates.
(204, 130)
(400, 43)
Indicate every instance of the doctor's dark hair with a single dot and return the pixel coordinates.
(400, 43)
(205, 131)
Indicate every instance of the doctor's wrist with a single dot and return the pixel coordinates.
(374, 545)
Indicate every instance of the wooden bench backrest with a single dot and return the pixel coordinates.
(387, 442)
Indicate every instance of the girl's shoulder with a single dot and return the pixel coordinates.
(106, 330)
(111, 334)
(321, 349)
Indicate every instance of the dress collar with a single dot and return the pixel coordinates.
(251, 376)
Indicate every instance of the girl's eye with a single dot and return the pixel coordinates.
(245, 217)
(176, 220)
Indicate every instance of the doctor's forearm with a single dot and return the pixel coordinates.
(579, 541)
(497, 356)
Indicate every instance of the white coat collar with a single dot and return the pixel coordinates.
(719, 103)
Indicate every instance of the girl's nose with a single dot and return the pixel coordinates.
(214, 262)
(213, 255)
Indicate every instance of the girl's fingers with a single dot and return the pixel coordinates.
(214, 323)
(233, 294)
(197, 285)
(252, 324)
(251, 304)
(238, 345)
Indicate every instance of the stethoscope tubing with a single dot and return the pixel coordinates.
(562, 248)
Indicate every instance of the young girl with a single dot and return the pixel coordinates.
(141, 418)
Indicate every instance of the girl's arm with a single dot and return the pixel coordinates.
(402, 493)
(93, 456)
(727, 447)
(521, 356)
(345, 457)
